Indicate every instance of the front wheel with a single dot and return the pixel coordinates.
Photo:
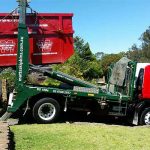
(145, 117)
(46, 110)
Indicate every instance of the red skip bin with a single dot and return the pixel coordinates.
(50, 38)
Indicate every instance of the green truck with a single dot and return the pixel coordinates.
(127, 91)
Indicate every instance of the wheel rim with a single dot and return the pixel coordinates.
(147, 118)
(46, 111)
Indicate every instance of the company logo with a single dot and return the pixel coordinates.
(21, 58)
(7, 46)
(9, 20)
(45, 45)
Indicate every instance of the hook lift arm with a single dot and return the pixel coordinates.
(23, 47)
(22, 67)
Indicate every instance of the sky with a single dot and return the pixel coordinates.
(109, 26)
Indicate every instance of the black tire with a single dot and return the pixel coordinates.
(145, 117)
(46, 110)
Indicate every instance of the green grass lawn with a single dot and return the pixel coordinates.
(80, 137)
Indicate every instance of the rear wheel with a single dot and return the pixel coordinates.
(46, 110)
(145, 117)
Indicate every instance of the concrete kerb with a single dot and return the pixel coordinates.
(4, 135)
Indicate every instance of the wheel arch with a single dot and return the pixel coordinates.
(142, 106)
(59, 98)
(139, 108)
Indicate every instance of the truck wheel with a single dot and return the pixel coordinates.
(145, 117)
(46, 110)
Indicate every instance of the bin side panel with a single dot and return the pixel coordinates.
(50, 37)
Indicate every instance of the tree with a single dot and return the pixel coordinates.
(83, 49)
(9, 74)
(99, 55)
(141, 53)
(83, 63)
(134, 53)
(93, 71)
(89, 65)
(145, 38)
(108, 59)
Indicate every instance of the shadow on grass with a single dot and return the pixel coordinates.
(11, 145)
(73, 117)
